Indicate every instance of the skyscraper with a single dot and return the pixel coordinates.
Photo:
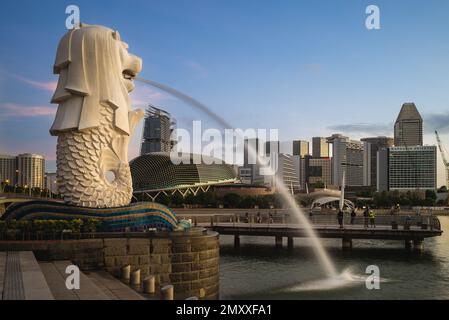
(347, 157)
(316, 170)
(8, 169)
(412, 167)
(272, 147)
(300, 148)
(408, 128)
(370, 149)
(157, 130)
(320, 147)
(31, 170)
(287, 172)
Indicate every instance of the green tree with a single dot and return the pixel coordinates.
(177, 200)
(248, 202)
(232, 200)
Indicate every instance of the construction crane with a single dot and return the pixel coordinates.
(443, 156)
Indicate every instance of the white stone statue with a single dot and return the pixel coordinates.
(94, 120)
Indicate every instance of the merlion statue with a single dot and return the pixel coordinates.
(94, 120)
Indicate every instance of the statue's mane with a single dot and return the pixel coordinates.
(90, 74)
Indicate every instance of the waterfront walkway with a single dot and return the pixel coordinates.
(22, 277)
(410, 229)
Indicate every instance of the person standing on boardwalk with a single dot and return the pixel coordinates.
(340, 218)
(353, 214)
(365, 217)
(372, 218)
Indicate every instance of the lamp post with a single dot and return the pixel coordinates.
(4, 184)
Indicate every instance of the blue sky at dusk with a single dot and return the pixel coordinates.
(308, 68)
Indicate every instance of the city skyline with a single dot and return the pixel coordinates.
(322, 93)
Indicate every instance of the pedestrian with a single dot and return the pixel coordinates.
(340, 218)
(372, 218)
(353, 214)
(246, 217)
(259, 218)
(365, 216)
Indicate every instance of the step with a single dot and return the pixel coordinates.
(113, 287)
(55, 275)
(23, 278)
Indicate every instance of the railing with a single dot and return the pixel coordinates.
(426, 222)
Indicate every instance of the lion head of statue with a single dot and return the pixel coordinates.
(94, 68)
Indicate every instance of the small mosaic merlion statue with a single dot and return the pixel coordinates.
(94, 120)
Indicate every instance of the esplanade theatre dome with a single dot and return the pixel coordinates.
(155, 171)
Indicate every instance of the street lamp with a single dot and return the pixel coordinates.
(4, 184)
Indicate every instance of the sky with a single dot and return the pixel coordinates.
(307, 68)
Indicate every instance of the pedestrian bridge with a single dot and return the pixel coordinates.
(412, 229)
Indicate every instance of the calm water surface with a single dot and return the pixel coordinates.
(260, 271)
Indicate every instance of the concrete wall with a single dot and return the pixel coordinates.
(189, 262)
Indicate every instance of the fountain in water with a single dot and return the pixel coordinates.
(323, 257)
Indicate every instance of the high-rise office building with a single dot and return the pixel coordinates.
(316, 170)
(287, 172)
(8, 169)
(408, 128)
(251, 171)
(272, 147)
(50, 182)
(412, 167)
(157, 130)
(382, 170)
(300, 148)
(31, 170)
(347, 156)
(370, 149)
(320, 147)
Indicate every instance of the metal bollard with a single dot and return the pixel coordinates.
(135, 278)
(167, 292)
(149, 285)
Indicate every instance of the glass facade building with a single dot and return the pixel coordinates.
(412, 167)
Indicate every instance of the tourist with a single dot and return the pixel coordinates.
(353, 214)
(365, 216)
(259, 218)
(372, 218)
(340, 218)
(246, 217)
(270, 218)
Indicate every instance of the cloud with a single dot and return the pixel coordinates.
(144, 95)
(195, 66)
(434, 121)
(364, 128)
(431, 122)
(43, 85)
(17, 110)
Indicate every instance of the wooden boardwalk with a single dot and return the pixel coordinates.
(411, 229)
